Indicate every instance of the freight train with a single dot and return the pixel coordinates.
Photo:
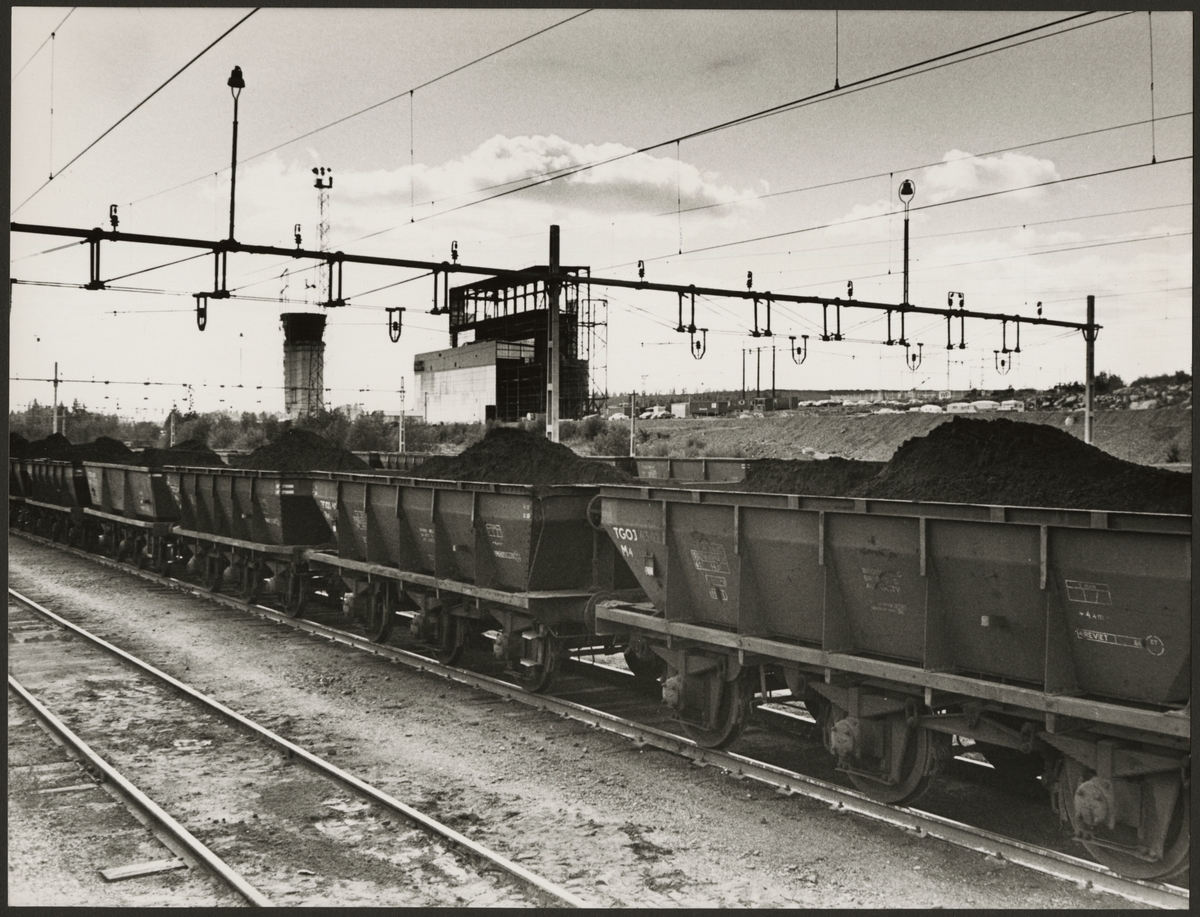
(1057, 640)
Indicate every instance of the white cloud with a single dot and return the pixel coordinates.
(639, 182)
(961, 175)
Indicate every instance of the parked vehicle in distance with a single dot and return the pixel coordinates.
(1012, 406)
(931, 409)
(618, 416)
(960, 407)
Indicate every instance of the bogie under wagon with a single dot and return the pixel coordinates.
(1057, 640)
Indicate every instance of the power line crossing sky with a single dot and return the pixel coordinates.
(1091, 192)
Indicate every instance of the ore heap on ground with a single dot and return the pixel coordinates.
(300, 450)
(508, 455)
(1005, 462)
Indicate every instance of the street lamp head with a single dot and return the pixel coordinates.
(236, 84)
(907, 190)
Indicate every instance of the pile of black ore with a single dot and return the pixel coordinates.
(509, 455)
(301, 450)
(1005, 462)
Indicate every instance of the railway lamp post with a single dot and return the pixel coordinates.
(907, 190)
(236, 84)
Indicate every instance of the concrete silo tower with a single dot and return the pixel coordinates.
(303, 362)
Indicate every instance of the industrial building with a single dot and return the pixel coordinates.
(501, 373)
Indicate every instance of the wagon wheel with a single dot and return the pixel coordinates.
(79, 537)
(57, 527)
(162, 559)
(251, 581)
(536, 678)
(121, 546)
(1176, 845)
(139, 554)
(379, 616)
(214, 569)
(295, 598)
(733, 711)
(646, 666)
(449, 638)
(919, 763)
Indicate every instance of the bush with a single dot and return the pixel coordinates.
(1179, 378)
(536, 425)
(568, 429)
(613, 441)
(591, 427)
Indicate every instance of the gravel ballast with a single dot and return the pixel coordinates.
(618, 825)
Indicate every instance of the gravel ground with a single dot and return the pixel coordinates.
(617, 825)
(59, 842)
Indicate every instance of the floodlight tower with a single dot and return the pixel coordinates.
(323, 182)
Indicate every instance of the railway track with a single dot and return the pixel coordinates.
(785, 781)
(237, 791)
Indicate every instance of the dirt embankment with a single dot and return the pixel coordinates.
(1150, 437)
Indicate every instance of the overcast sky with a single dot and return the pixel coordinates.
(805, 198)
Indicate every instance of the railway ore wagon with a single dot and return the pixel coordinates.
(394, 461)
(131, 514)
(49, 497)
(458, 556)
(1059, 641)
(18, 490)
(724, 470)
(247, 529)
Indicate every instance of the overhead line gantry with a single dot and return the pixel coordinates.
(555, 278)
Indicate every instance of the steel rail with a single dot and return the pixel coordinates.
(563, 276)
(135, 797)
(1059, 865)
(376, 795)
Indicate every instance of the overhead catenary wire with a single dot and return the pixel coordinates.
(957, 200)
(135, 108)
(1153, 145)
(865, 83)
(1026, 254)
(849, 181)
(43, 44)
(563, 172)
(407, 280)
(50, 154)
(1028, 251)
(927, 165)
(363, 111)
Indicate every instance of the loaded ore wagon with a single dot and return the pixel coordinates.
(462, 557)
(1057, 640)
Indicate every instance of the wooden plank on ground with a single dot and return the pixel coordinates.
(134, 870)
